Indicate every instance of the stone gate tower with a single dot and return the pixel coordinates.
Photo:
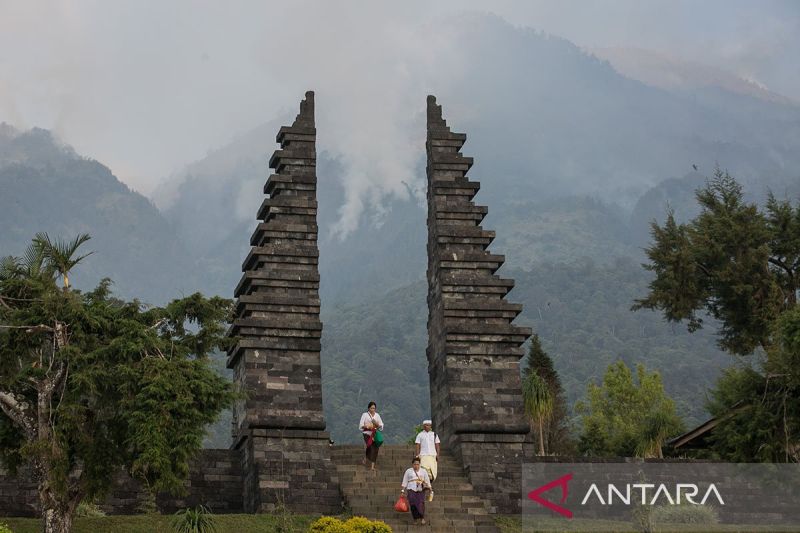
(473, 348)
(279, 425)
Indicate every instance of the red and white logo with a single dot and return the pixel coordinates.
(562, 482)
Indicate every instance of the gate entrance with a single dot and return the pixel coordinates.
(473, 347)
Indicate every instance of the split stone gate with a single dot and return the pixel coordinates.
(473, 348)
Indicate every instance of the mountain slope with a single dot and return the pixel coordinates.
(48, 187)
(545, 122)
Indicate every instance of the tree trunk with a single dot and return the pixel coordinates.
(58, 506)
(57, 520)
(57, 510)
(541, 437)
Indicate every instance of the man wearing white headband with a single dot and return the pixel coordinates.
(427, 442)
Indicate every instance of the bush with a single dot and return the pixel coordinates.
(685, 514)
(88, 510)
(328, 524)
(4, 528)
(356, 524)
(194, 520)
(359, 524)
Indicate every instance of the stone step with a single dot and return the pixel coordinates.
(395, 474)
(386, 501)
(368, 493)
(405, 523)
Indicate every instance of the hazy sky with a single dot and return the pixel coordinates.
(146, 87)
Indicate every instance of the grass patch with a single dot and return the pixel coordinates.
(265, 523)
(154, 523)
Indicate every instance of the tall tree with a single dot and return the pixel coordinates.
(90, 384)
(555, 436)
(737, 264)
(625, 417)
(538, 404)
(765, 422)
(740, 265)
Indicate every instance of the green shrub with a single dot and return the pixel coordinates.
(4, 528)
(194, 520)
(359, 524)
(89, 510)
(685, 514)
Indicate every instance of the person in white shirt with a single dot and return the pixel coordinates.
(427, 443)
(415, 482)
(369, 425)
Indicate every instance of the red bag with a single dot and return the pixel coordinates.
(401, 505)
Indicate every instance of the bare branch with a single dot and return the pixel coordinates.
(705, 269)
(18, 412)
(28, 329)
(61, 339)
(159, 323)
(781, 264)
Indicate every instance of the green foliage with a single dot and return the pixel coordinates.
(11, 442)
(413, 438)
(4, 528)
(555, 431)
(356, 524)
(60, 255)
(624, 417)
(736, 263)
(759, 403)
(194, 520)
(371, 353)
(328, 524)
(90, 383)
(684, 514)
(740, 265)
(580, 310)
(359, 524)
(538, 402)
(89, 509)
(157, 523)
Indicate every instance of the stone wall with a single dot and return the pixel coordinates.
(290, 468)
(215, 480)
(754, 494)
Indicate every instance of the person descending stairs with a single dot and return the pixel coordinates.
(455, 508)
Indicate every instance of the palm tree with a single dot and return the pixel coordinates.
(656, 428)
(538, 403)
(59, 254)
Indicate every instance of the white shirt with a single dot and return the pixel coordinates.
(427, 441)
(416, 480)
(367, 419)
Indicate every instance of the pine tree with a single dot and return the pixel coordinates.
(739, 264)
(556, 429)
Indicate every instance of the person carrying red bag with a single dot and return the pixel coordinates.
(415, 482)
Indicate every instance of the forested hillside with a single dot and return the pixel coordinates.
(581, 311)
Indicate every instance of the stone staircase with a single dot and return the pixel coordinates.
(455, 507)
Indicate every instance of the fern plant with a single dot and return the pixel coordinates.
(194, 520)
